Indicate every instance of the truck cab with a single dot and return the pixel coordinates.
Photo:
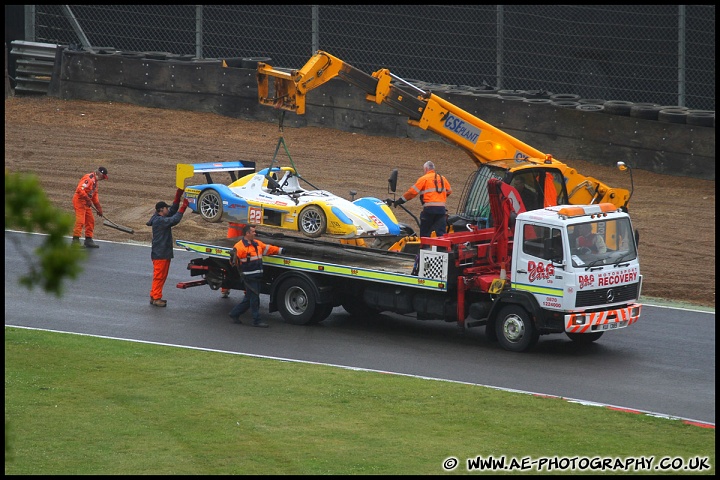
(580, 262)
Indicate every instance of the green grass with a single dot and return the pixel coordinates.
(83, 405)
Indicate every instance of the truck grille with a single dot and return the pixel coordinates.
(602, 296)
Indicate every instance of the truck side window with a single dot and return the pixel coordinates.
(543, 242)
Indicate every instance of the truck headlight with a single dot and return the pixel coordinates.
(579, 320)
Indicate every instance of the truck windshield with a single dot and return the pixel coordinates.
(475, 201)
(606, 242)
(538, 187)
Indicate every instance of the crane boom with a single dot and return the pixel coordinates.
(483, 143)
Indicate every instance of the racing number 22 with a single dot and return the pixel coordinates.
(255, 215)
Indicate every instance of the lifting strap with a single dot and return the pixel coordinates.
(281, 141)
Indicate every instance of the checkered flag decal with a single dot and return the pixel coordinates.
(433, 265)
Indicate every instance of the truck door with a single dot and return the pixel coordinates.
(535, 255)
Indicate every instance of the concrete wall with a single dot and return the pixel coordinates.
(567, 134)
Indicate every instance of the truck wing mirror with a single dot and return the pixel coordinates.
(637, 238)
(392, 181)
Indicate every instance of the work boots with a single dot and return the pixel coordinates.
(75, 242)
(158, 302)
(90, 244)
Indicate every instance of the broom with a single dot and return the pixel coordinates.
(111, 224)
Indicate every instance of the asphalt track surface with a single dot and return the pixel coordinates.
(664, 364)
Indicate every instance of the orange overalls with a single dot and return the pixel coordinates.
(234, 230)
(433, 189)
(86, 195)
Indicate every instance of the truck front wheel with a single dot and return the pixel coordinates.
(515, 329)
(297, 302)
(584, 337)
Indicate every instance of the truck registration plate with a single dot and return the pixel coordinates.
(614, 325)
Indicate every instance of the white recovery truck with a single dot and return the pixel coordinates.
(523, 277)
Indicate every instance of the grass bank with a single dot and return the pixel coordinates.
(83, 405)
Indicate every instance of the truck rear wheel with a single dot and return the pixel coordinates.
(515, 329)
(357, 308)
(584, 337)
(297, 302)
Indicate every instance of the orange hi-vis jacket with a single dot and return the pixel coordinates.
(87, 189)
(249, 255)
(433, 189)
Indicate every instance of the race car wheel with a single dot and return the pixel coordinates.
(515, 329)
(312, 221)
(297, 302)
(210, 206)
(584, 337)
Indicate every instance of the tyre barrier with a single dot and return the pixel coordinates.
(251, 62)
(592, 101)
(701, 118)
(565, 97)
(674, 107)
(421, 84)
(590, 107)
(511, 98)
(245, 62)
(512, 93)
(648, 111)
(564, 103)
(484, 88)
(538, 101)
(672, 115)
(618, 107)
(540, 94)
(183, 58)
(132, 54)
(158, 55)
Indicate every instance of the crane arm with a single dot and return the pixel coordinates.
(482, 142)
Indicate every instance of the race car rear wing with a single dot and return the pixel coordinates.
(236, 169)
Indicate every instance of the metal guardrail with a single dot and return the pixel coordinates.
(34, 65)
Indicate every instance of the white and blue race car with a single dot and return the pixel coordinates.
(273, 197)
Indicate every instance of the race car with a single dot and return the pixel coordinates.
(273, 197)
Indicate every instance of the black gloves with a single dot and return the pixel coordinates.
(399, 201)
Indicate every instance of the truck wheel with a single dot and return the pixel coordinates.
(312, 221)
(584, 337)
(297, 303)
(210, 206)
(491, 331)
(322, 312)
(357, 308)
(515, 329)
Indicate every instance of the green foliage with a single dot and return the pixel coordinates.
(28, 209)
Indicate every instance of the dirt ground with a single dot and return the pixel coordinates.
(62, 140)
